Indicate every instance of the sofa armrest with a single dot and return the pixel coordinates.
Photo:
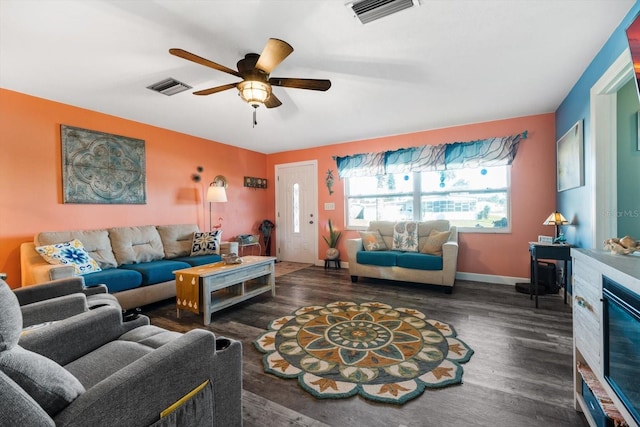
(34, 269)
(48, 290)
(353, 246)
(136, 394)
(67, 340)
(53, 309)
(449, 262)
(95, 290)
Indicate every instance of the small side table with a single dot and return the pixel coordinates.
(242, 246)
(560, 252)
(336, 263)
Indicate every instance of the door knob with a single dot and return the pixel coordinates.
(310, 222)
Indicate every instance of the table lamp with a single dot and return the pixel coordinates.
(557, 219)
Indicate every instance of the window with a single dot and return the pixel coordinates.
(473, 199)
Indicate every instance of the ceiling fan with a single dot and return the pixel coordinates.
(254, 70)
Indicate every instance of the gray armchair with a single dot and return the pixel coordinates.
(94, 369)
(59, 299)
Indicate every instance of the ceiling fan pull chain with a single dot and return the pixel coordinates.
(255, 122)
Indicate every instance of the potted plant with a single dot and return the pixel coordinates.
(332, 242)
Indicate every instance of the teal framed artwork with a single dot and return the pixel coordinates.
(101, 168)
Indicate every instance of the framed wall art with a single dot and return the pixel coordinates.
(570, 158)
(101, 168)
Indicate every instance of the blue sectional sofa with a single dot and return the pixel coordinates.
(137, 263)
(433, 259)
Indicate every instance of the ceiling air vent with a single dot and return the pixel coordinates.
(169, 86)
(370, 10)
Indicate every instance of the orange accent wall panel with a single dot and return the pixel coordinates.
(533, 192)
(31, 178)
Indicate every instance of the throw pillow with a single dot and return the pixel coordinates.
(433, 245)
(206, 243)
(69, 253)
(405, 236)
(372, 241)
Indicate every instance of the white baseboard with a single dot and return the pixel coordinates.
(491, 278)
(474, 277)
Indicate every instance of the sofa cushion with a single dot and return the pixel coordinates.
(372, 241)
(69, 253)
(418, 261)
(177, 239)
(206, 243)
(379, 258)
(104, 361)
(95, 242)
(405, 236)
(48, 383)
(433, 245)
(116, 279)
(197, 260)
(136, 244)
(156, 271)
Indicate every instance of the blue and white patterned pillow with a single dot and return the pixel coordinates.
(69, 253)
(206, 243)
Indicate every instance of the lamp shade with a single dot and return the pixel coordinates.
(216, 194)
(254, 92)
(556, 218)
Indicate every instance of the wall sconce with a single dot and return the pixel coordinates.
(557, 219)
(216, 193)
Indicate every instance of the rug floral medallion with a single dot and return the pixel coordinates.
(383, 353)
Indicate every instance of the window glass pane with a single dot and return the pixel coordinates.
(477, 210)
(393, 208)
(296, 208)
(471, 198)
(382, 184)
(464, 179)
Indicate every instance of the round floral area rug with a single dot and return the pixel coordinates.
(383, 353)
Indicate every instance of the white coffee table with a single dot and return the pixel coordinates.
(208, 288)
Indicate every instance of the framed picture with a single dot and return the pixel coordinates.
(570, 158)
(101, 168)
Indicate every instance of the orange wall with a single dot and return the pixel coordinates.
(532, 189)
(31, 178)
(31, 181)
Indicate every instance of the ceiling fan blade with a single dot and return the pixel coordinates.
(274, 52)
(202, 61)
(272, 101)
(311, 84)
(215, 89)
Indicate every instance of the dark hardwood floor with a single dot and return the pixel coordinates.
(520, 374)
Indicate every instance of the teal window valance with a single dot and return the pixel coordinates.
(485, 152)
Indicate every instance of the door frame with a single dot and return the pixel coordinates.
(278, 190)
(604, 194)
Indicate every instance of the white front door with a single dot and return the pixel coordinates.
(297, 212)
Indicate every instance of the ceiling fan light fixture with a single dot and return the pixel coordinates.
(254, 92)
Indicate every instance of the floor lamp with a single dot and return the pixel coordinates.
(215, 194)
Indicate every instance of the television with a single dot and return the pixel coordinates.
(633, 37)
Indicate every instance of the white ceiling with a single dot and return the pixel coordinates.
(445, 63)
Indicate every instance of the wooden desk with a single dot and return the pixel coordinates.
(538, 251)
(212, 287)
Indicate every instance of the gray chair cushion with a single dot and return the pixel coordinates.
(48, 383)
(11, 318)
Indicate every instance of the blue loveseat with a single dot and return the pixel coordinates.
(137, 263)
(408, 266)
